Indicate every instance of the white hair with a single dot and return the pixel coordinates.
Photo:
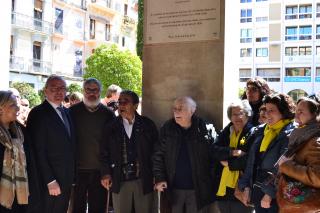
(188, 101)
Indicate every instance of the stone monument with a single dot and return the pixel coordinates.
(184, 55)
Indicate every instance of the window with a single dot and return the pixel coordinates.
(261, 19)
(108, 2)
(305, 33)
(245, 1)
(291, 12)
(262, 39)
(297, 93)
(36, 54)
(37, 14)
(12, 5)
(260, 0)
(11, 45)
(245, 52)
(107, 32)
(317, 71)
(291, 51)
(318, 32)
(92, 29)
(318, 10)
(58, 24)
(125, 10)
(245, 36)
(244, 75)
(246, 15)
(269, 74)
(291, 33)
(262, 52)
(298, 71)
(77, 69)
(123, 41)
(318, 50)
(305, 11)
(305, 50)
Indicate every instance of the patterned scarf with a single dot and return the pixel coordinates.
(229, 178)
(301, 135)
(14, 179)
(271, 132)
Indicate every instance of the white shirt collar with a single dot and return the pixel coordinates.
(53, 104)
(127, 126)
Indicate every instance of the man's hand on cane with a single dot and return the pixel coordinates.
(160, 186)
(106, 182)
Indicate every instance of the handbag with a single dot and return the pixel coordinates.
(295, 197)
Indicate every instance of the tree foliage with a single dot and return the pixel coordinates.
(74, 87)
(113, 66)
(139, 45)
(28, 92)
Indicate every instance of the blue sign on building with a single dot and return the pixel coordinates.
(297, 79)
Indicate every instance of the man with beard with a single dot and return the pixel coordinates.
(89, 117)
(126, 157)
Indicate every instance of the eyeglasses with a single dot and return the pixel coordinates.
(57, 89)
(241, 114)
(90, 90)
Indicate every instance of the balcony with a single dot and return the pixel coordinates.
(17, 64)
(38, 66)
(102, 7)
(291, 16)
(20, 64)
(29, 23)
(305, 15)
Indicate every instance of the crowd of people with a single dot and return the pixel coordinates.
(85, 154)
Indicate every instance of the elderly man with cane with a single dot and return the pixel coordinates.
(126, 153)
(182, 161)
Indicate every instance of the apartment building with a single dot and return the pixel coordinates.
(30, 49)
(280, 41)
(56, 36)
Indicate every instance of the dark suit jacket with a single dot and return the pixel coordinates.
(53, 145)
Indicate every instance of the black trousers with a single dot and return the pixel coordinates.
(57, 204)
(88, 189)
(257, 196)
(233, 206)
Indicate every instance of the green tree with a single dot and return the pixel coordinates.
(74, 87)
(113, 66)
(139, 45)
(241, 92)
(27, 92)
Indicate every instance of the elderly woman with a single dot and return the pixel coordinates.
(271, 141)
(301, 164)
(256, 89)
(230, 149)
(14, 180)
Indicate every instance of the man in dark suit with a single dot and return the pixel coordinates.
(51, 131)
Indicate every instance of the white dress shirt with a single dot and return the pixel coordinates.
(127, 126)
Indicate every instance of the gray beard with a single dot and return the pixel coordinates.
(91, 104)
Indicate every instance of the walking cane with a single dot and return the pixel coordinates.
(108, 200)
(159, 203)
